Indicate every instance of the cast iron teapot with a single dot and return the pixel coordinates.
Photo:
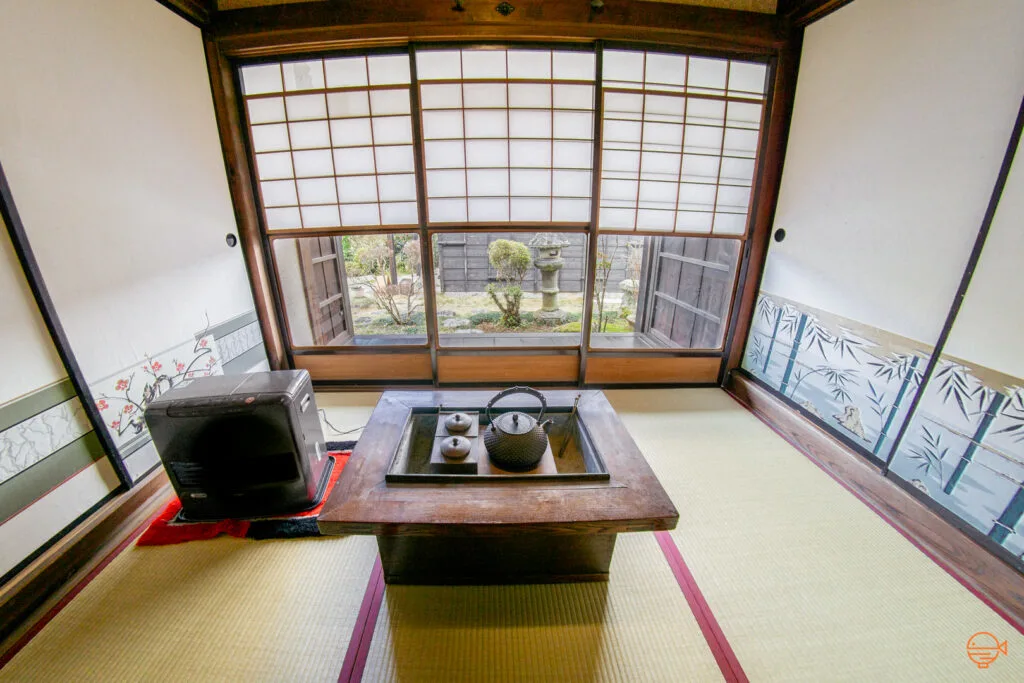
(516, 441)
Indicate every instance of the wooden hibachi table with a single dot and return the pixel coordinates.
(514, 530)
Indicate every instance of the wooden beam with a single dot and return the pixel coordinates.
(236, 163)
(322, 26)
(979, 570)
(800, 13)
(198, 12)
(773, 154)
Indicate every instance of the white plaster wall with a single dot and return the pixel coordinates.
(30, 361)
(989, 329)
(903, 110)
(22, 534)
(109, 141)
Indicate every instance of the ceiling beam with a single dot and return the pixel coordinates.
(198, 12)
(322, 26)
(800, 13)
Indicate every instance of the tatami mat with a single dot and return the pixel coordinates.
(221, 610)
(636, 627)
(806, 581)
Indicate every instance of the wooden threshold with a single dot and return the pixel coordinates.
(32, 593)
(988, 577)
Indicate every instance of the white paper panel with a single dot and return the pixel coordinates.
(664, 108)
(530, 154)
(744, 115)
(735, 199)
(526, 183)
(357, 189)
(353, 160)
(399, 214)
(270, 138)
(618, 103)
(447, 210)
(486, 124)
(320, 216)
(617, 218)
(385, 102)
(690, 221)
(700, 168)
(527, 95)
(622, 131)
(621, 65)
(658, 195)
(664, 134)
(397, 188)
(360, 214)
(529, 64)
(309, 134)
(665, 69)
(573, 96)
(650, 219)
(274, 166)
(488, 183)
(348, 104)
(444, 154)
(703, 111)
(442, 124)
(696, 197)
(707, 74)
(437, 65)
(619, 189)
(573, 66)
(730, 223)
(303, 75)
(266, 110)
(317, 191)
(392, 130)
(737, 170)
(740, 142)
(488, 210)
(571, 183)
(316, 162)
(485, 95)
(660, 166)
(388, 69)
(283, 219)
(278, 193)
(346, 72)
(483, 64)
(570, 210)
(531, 210)
(487, 153)
(441, 96)
(395, 159)
(572, 154)
(304, 107)
(529, 124)
(351, 133)
(574, 125)
(747, 77)
(446, 183)
(703, 140)
(263, 78)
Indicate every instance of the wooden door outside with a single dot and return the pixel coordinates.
(323, 278)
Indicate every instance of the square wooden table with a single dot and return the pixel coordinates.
(495, 531)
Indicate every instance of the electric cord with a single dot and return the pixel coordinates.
(323, 416)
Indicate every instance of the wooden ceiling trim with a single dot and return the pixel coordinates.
(311, 27)
(198, 12)
(800, 13)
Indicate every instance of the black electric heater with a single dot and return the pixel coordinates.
(242, 446)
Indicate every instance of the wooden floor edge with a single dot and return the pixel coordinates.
(41, 585)
(992, 580)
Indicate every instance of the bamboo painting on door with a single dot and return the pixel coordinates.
(964, 446)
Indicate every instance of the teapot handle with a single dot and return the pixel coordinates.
(518, 390)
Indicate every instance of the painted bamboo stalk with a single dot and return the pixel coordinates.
(1008, 520)
(771, 344)
(792, 353)
(907, 377)
(979, 435)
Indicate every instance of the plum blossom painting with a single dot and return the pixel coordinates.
(122, 398)
(964, 444)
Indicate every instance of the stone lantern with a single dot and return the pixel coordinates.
(549, 261)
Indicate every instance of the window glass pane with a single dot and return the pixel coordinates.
(662, 292)
(352, 289)
(489, 285)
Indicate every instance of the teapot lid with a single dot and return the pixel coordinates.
(514, 423)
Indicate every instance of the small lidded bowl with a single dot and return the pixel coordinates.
(458, 423)
(455, 447)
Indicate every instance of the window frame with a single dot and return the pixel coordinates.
(426, 230)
